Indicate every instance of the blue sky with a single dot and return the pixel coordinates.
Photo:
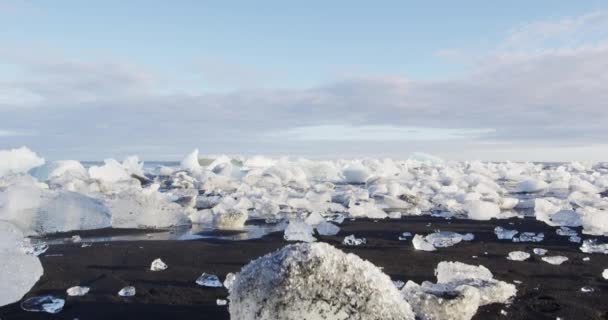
(158, 78)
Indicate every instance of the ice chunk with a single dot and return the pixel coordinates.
(435, 302)
(47, 303)
(555, 260)
(127, 292)
(419, 242)
(356, 173)
(58, 170)
(315, 281)
(209, 280)
(530, 186)
(231, 219)
(111, 171)
(566, 232)
(505, 234)
(587, 289)
(314, 218)
(221, 302)
(327, 229)
(539, 251)
(594, 221)
(18, 271)
(18, 161)
(591, 246)
(366, 209)
(158, 265)
(77, 291)
(229, 281)
(518, 256)
(605, 274)
(444, 239)
(34, 248)
(482, 210)
(454, 274)
(529, 237)
(191, 163)
(352, 241)
(297, 230)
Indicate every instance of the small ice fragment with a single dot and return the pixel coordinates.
(398, 284)
(77, 291)
(420, 243)
(299, 231)
(605, 274)
(230, 277)
(352, 241)
(404, 236)
(575, 239)
(586, 259)
(540, 251)
(445, 239)
(591, 246)
(566, 232)
(75, 238)
(86, 245)
(503, 312)
(327, 229)
(338, 218)
(529, 237)
(48, 304)
(587, 289)
(505, 234)
(127, 291)
(517, 282)
(209, 280)
(158, 265)
(34, 249)
(221, 302)
(555, 260)
(518, 256)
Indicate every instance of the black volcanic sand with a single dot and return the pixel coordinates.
(546, 291)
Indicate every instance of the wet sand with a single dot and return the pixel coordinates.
(546, 291)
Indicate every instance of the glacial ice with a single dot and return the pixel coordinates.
(505, 234)
(314, 281)
(158, 265)
(191, 164)
(298, 230)
(440, 239)
(327, 229)
(482, 210)
(77, 291)
(128, 291)
(209, 280)
(47, 303)
(229, 281)
(540, 251)
(592, 246)
(352, 241)
(231, 219)
(555, 260)
(18, 271)
(19, 160)
(518, 256)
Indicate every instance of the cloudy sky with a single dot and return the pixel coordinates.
(516, 80)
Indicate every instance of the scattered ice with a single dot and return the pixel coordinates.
(127, 292)
(505, 234)
(77, 291)
(591, 246)
(540, 251)
(158, 265)
(531, 186)
(518, 256)
(529, 237)
(47, 303)
(209, 280)
(315, 281)
(221, 302)
(566, 232)
(555, 260)
(297, 230)
(352, 241)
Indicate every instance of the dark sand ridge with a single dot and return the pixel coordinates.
(547, 291)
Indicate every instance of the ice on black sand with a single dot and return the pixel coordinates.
(209, 280)
(47, 303)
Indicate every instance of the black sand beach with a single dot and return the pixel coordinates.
(546, 292)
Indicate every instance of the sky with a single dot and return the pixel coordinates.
(464, 80)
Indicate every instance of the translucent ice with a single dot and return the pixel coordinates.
(482, 210)
(229, 281)
(529, 237)
(530, 186)
(297, 230)
(209, 280)
(436, 302)
(356, 173)
(327, 229)
(77, 291)
(539, 251)
(440, 239)
(315, 281)
(48, 304)
(191, 164)
(158, 265)
(419, 242)
(505, 234)
(518, 256)
(555, 260)
(18, 271)
(35, 248)
(127, 292)
(231, 219)
(352, 241)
